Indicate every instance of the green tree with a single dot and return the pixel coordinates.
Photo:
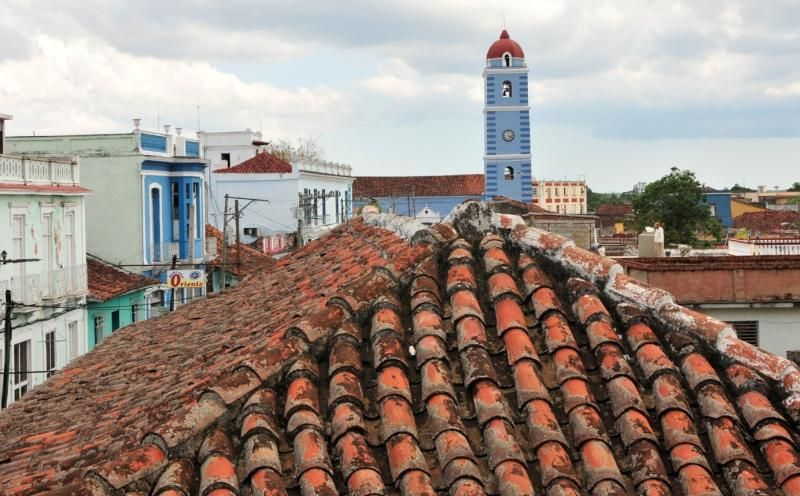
(795, 186)
(737, 188)
(676, 201)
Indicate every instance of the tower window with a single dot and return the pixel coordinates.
(508, 173)
(507, 59)
(506, 89)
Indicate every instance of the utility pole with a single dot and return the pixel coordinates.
(224, 244)
(172, 299)
(238, 251)
(7, 349)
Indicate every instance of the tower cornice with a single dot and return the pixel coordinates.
(506, 108)
(505, 70)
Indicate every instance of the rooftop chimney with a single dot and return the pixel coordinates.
(178, 130)
(136, 123)
(167, 128)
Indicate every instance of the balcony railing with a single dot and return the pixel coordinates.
(38, 170)
(777, 246)
(33, 288)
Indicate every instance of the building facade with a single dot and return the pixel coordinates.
(313, 196)
(117, 298)
(561, 197)
(148, 202)
(42, 237)
(507, 127)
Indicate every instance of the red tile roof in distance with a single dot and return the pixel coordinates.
(768, 221)
(370, 365)
(107, 281)
(262, 163)
(241, 259)
(503, 45)
(451, 185)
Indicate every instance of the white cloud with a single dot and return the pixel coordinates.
(87, 86)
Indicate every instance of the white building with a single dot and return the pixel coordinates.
(317, 195)
(42, 221)
(561, 197)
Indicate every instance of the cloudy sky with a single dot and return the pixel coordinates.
(621, 91)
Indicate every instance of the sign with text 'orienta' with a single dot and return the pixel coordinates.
(194, 278)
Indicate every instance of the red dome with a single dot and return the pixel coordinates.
(503, 45)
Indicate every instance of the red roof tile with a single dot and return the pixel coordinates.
(365, 363)
(241, 259)
(452, 185)
(107, 281)
(262, 163)
(769, 221)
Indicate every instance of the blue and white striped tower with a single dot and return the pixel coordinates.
(507, 138)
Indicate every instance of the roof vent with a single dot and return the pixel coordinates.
(167, 128)
(178, 130)
(136, 123)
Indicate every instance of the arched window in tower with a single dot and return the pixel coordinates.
(507, 59)
(506, 93)
(508, 173)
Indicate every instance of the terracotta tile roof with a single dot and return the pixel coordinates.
(262, 163)
(45, 188)
(249, 259)
(107, 281)
(768, 221)
(369, 365)
(452, 185)
(614, 210)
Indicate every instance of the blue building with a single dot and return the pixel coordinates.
(720, 204)
(507, 150)
(148, 200)
(507, 126)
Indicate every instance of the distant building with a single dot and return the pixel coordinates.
(719, 202)
(562, 197)
(432, 197)
(758, 296)
(775, 200)
(774, 223)
(614, 218)
(148, 202)
(229, 266)
(117, 298)
(314, 195)
(42, 226)
(507, 150)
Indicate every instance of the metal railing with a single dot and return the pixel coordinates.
(757, 247)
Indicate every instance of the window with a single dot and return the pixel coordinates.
(251, 231)
(746, 330)
(226, 157)
(22, 360)
(69, 247)
(134, 312)
(507, 59)
(47, 253)
(98, 329)
(508, 173)
(176, 210)
(198, 229)
(155, 221)
(506, 93)
(74, 342)
(50, 353)
(18, 250)
(114, 320)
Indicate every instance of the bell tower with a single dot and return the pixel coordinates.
(507, 126)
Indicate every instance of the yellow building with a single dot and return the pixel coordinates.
(739, 207)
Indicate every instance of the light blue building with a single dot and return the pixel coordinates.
(148, 200)
(507, 150)
(507, 126)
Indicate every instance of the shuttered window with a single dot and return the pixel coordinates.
(746, 330)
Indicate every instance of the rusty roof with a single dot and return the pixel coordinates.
(451, 185)
(107, 281)
(390, 357)
(241, 258)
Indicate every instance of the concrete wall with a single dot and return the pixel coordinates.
(778, 328)
(583, 233)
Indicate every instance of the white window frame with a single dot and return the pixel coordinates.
(21, 385)
(73, 336)
(102, 320)
(50, 341)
